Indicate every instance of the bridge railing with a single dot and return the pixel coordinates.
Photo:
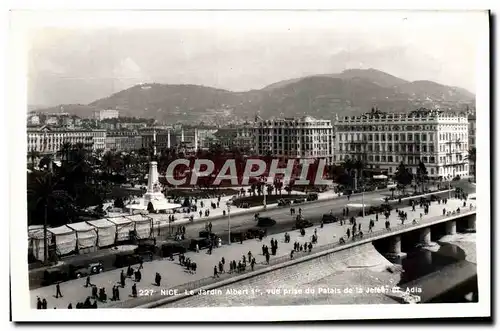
(196, 284)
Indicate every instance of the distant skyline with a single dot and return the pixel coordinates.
(81, 65)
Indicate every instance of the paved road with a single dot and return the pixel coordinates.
(174, 275)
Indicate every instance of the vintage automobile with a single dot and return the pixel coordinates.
(265, 222)
(53, 276)
(171, 248)
(86, 270)
(312, 197)
(302, 224)
(299, 200)
(328, 218)
(284, 202)
(126, 259)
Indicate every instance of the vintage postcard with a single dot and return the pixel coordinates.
(249, 165)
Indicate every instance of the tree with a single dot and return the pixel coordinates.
(33, 156)
(403, 176)
(392, 189)
(422, 174)
(44, 193)
(471, 157)
(65, 150)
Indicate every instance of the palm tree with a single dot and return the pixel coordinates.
(422, 174)
(471, 157)
(65, 151)
(33, 156)
(44, 192)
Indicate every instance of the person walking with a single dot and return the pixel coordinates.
(70, 306)
(216, 274)
(44, 303)
(88, 283)
(58, 291)
(267, 257)
(157, 279)
(134, 290)
(38, 303)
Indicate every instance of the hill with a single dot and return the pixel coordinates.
(352, 91)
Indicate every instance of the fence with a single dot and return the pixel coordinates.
(298, 258)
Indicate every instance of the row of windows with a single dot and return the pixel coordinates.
(295, 131)
(386, 137)
(387, 148)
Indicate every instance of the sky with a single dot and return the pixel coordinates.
(81, 63)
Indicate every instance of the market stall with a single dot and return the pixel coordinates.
(86, 235)
(36, 242)
(123, 227)
(143, 225)
(65, 239)
(106, 232)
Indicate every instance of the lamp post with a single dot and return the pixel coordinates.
(264, 191)
(228, 223)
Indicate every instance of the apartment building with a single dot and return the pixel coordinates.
(123, 140)
(106, 113)
(48, 140)
(384, 140)
(304, 137)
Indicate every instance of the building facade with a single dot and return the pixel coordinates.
(304, 137)
(123, 140)
(99, 139)
(106, 113)
(472, 129)
(382, 141)
(164, 138)
(49, 140)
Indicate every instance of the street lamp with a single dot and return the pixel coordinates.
(264, 191)
(228, 223)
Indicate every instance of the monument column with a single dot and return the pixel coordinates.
(168, 138)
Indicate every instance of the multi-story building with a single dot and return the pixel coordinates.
(48, 140)
(34, 120)
(106, 113)
(123, 140)
(99, 136)
(198, 137)
(303, 137)
(164, 138)
(472, 129)
(245, 135)
(382, 141)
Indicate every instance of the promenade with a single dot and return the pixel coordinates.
(174, 275)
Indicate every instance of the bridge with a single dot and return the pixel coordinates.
(175, 277)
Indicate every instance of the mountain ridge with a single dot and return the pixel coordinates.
(351, 91)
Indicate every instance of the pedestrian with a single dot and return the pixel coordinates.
(244, 258)
(216, 274)
(38, 303)
(267, 258)
(249, 256)
(44, 303)
(87, 283)
(223, 260)
(70, 306)
(58, 291)
(348, 233)
(158, 279)
(134, 290)
(141, 261)
(252, 264)
(291, 254)
(197, 248)
(94, 291)
(221, 267)
(122, 279)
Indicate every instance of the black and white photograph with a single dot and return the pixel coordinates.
(249, 165)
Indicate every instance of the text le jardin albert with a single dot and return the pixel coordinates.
(358, 290)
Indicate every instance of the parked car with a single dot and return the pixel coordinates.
(126, 259)
(299, 200)
(146, 250)
(53, 276)
(327, 218)
(172, 248)
(265, 222)
(86, 270)
(302, 224)
(254, 233)
(312, 197)
(284, 202)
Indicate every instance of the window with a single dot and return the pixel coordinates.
(410, 137)
(383, 158)
(389, 158)
(402, 137)
(377, 158)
